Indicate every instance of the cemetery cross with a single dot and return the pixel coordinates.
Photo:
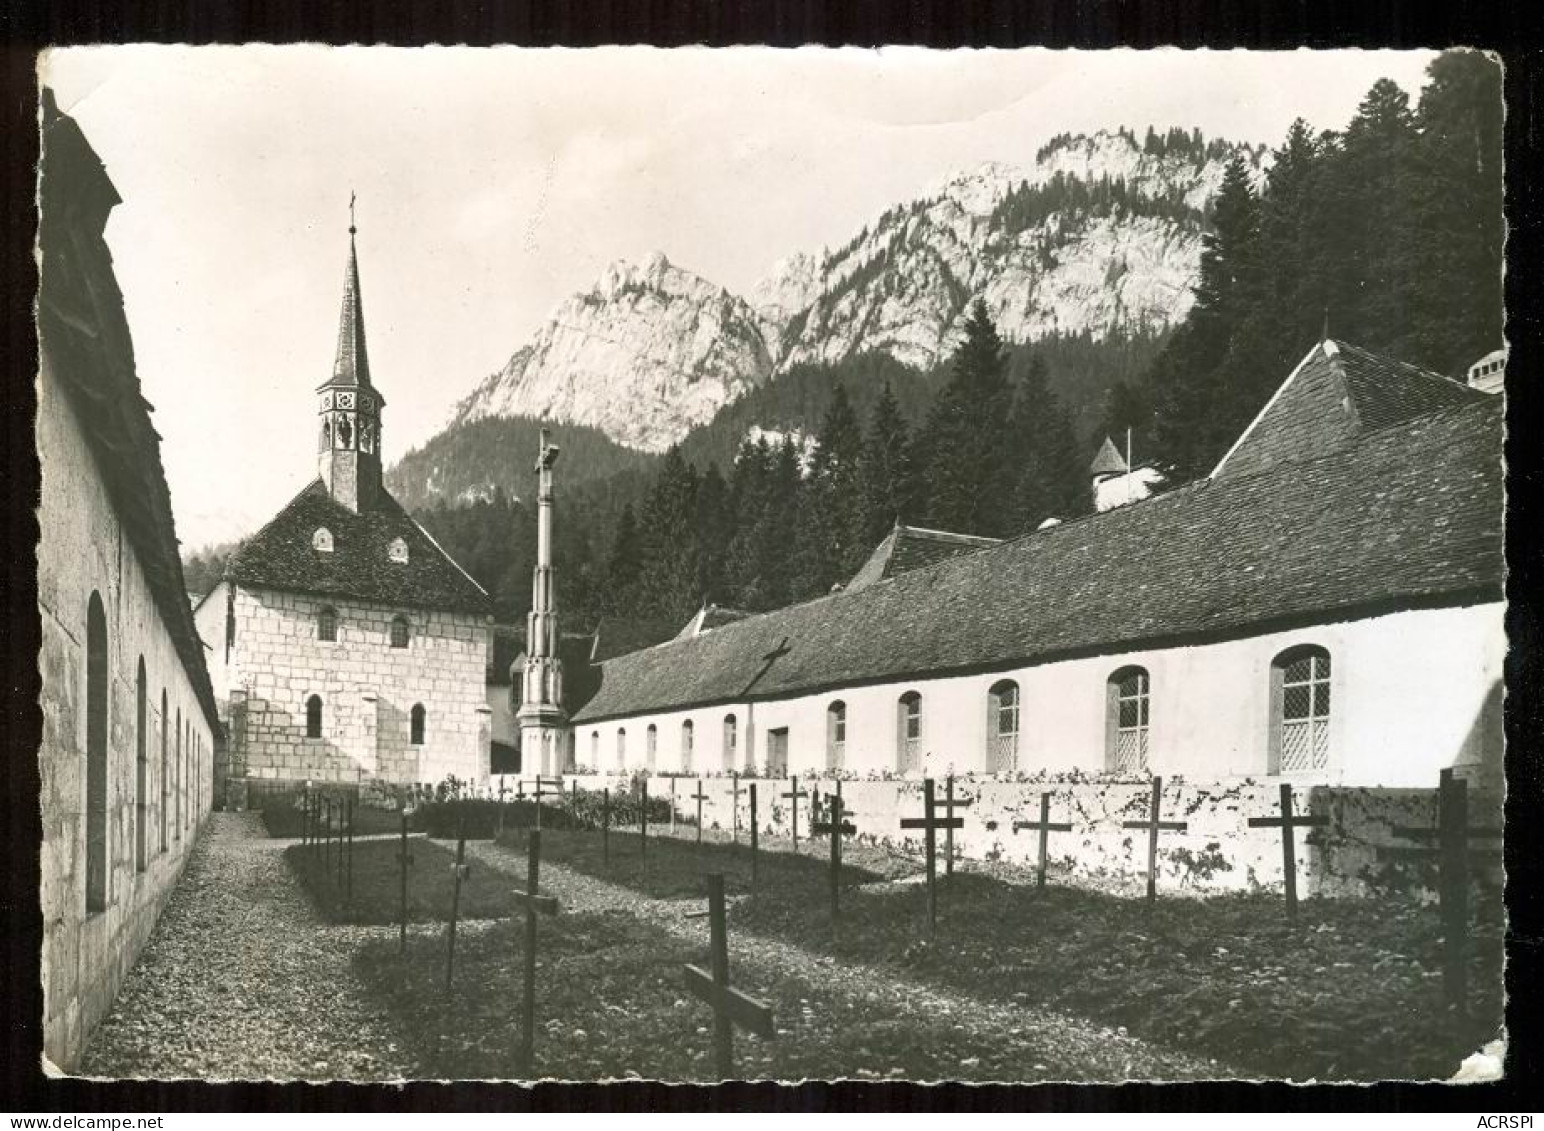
(699, 797)
(1153, 826)
(949, 806)
(731, 1007)
(605, 826)
(404, 861)
(836, 813)
(348, 871)
(734, 804)
(533, 904)
(929, 823)
(1287, 822)
(1045, 827)
(460, 871)
(1453, 853)
(793, 795)
(755, 838)
(643, 817)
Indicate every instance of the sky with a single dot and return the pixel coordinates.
(493, 183)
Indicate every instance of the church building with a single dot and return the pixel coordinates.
(346, 645)
(1326, 605)
(129, 724)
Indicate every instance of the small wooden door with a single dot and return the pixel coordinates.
(777, 752)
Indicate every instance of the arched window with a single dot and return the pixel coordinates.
(96, 755)
(650, 747)
(836, 735)
(141, 757)
(1300, 710)
(1002, 754)
(595, 750)
(621, 748)
(908, 732)
(1127, 698)
(731, 741)
(314, 717)
(166, 769)
(327, 623)
(400, 633)
(686, 745)
(416, 725)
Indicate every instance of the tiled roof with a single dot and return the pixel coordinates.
(1407, 516)
(616, 636)
(1337, 392)
(907, 548)
(84, 336)
(707, 619)
(280, 556)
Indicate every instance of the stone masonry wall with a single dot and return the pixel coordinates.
(83, 549)
(368, 690)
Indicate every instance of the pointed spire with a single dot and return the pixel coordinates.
(352, 366)
(1108, 461)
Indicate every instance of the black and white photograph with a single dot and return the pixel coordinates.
(756, 564)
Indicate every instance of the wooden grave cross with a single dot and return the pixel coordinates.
(459, 871)
(755, 839)
(1045, 828)
(1154, 826)
(731, 1007)
(541, 781)
(734, 804)
(949, 805)
(930, 823)
(342, 805)
(533, 904)
(793, 795)
(699, 797)
(348, 870)
(404, 861)
(836, 814)
(1452, 834)
(1286, 823)
(672, 806)
(643, 817)
(503, 789)
(605, 826)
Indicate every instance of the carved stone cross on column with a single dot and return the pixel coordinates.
(1153, 826)
(731, 1007)
(1286, 823)
(1045, 828)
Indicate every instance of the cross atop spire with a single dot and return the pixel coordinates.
(351, 367)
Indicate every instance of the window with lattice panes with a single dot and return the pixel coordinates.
(836, 735)
(1301, 697)
(909, 732)
(1003, 728)
(1130, 699)
(400, 632)
(327, 624)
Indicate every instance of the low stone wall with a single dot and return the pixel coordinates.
(1217, 852)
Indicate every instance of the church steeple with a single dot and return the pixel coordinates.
(349, 441)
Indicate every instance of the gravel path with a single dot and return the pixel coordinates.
(1054, 1046)
(242, 980)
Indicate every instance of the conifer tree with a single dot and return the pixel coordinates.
(623, 566)
(668, 579)
(1050, 478)
(831, 503)
(713, 530)
(886, 471)
(964, 444)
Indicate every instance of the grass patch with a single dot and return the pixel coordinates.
(377, 892)
(285, 822)
(610, 1004)
(1353, 992)
(672, 868)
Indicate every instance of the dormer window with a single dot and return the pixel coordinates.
(321, 541)
(397, 551)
